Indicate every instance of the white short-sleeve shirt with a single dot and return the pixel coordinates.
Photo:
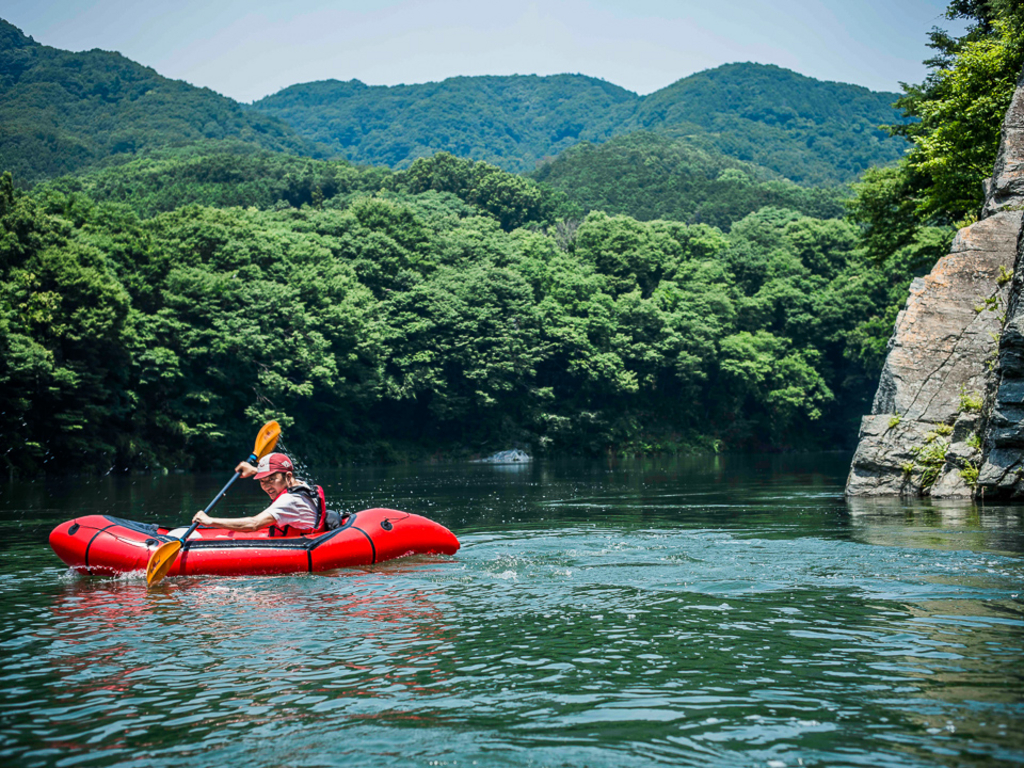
(294, 509)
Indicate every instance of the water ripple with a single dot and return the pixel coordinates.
(786, 634)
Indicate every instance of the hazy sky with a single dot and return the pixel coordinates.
(247, 49)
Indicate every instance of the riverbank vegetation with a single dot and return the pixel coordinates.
(453, 306)
(908, 212)
(152, 311)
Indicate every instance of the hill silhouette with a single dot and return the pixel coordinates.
(809, 131)
(512, 121)
(62, 111)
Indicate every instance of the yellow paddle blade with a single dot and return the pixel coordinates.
(163, 557)
(267, 439)
(161, 560)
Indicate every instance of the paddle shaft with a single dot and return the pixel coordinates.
(163, 557)
(217, 498)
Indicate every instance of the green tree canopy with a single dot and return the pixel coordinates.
(960, 107)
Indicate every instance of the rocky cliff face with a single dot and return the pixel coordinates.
(1002, 471)
(948, 416)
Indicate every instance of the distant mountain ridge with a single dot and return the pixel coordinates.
(510, 121)
(779, 119)
(809, 131)
(62, 111)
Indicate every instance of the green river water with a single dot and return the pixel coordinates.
(730, 611)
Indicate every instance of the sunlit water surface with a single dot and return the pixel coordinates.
(715, 612)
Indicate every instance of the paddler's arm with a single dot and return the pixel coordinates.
(245, 469)
(263, 520)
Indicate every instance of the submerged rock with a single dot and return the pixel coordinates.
(513, 456)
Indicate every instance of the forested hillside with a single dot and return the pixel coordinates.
(221, 174)
(806, 130)
(154, 310)
(651, 176)
(62, 111)
(455, 310)
(809, 131)
(512, 122)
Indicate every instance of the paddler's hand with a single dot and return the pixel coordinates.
(245, 469)
(202, 518)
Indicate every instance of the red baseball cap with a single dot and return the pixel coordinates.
(271, 463)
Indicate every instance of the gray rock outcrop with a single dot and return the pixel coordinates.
(1002, 471)
(947, 416)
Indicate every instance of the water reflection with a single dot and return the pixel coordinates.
(124, 668)
(938, 524)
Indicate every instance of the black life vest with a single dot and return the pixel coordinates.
(324, 518)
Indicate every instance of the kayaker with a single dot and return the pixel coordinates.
(294, 508)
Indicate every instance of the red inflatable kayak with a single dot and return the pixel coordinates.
(107, 545)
